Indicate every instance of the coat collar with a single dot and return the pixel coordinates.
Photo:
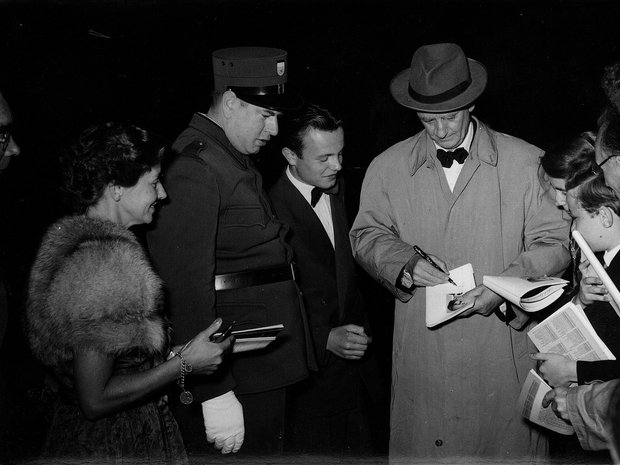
(483, 148)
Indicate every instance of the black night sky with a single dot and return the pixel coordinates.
(67, 64)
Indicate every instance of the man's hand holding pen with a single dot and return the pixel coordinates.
(429, 270)
(423, 273)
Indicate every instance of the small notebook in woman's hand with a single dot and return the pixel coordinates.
(254, 338)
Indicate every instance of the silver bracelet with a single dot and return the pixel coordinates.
(185, 397)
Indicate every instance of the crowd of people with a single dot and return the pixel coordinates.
(137, 334)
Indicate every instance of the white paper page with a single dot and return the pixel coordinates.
(438, 297)
(252, 343)
(530, 405)
(568, 332)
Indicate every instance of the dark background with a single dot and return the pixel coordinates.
(67, 64)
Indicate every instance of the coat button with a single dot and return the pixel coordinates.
(323, 302)
(439, 443)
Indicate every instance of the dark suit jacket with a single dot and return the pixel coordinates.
(607, 325)
(327, 279)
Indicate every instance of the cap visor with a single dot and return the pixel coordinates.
(289, 101)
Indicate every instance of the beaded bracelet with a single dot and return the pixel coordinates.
(186, 397)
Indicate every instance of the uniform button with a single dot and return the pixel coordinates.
(323, 302)
(439, 443)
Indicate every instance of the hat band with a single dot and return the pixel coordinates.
(266, 90)
(444, 96)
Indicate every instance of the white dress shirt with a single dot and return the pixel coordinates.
(452, 173)
(322, 208)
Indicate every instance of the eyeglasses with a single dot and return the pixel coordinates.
(597, 169)
(5, 137)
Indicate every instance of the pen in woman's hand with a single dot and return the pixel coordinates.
(422, 254)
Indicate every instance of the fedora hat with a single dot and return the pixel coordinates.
(441, 79)
(257, 75)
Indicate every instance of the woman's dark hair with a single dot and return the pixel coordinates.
(569, 158)
(310, 116)
(107, 153)
(593, 193)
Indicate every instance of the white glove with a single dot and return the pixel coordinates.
(223, 418)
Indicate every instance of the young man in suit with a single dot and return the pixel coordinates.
(326, 412)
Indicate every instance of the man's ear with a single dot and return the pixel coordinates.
(291, 157)
(606, 217)
(229, 99)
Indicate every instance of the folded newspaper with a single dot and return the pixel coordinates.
(530, 405)
(529, 293)
(566, 332)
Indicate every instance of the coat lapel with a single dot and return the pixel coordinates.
(306, 217)
(343, 253)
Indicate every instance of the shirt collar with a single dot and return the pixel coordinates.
(610, 254)
(302, 187)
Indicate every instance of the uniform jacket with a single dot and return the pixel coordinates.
(327, 278)
(589, 410)
(92, 287)
(219, 220)
(454, 387)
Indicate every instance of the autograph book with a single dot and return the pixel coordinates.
(529, 293)
(438, 297)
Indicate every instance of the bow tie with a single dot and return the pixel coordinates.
(446, 157)
(317, 192)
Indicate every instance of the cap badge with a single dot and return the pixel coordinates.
(280, 68)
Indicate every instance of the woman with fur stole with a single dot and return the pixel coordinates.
(93, 312)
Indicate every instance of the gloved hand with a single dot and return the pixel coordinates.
(223, 417)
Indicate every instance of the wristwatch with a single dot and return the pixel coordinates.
(405, 281)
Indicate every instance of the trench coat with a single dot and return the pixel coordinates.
(454, 388)
(588, 408)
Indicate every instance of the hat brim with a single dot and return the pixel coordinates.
(290, 101)
(399, 87)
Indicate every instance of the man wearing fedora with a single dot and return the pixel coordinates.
(462, 193)
(221, 252)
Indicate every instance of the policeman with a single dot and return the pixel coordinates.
(221, 252)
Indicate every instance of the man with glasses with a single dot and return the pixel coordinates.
(8, 146)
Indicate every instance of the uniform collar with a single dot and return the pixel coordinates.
(201, 122)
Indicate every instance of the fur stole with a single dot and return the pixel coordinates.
(92, 287)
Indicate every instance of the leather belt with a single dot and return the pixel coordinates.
(224, 282)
